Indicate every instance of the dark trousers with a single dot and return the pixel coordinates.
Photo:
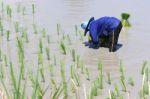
(111, 40)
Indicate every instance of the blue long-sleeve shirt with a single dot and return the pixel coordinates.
(102, 27)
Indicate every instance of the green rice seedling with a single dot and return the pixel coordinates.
(17, 27)
(5, 60)
(0, 55)
(63, 79)
(23, 10)
(47, 53)
(100, 66)
(145, 86)
(42, 73)
(69, 40)
(1, 71)
(91, 96)
(35, 84)
(81, 36)
(20, 49)
(124, 20)
(123, 85)
(48, 39)
(143, 67)
(100, 80)
(57, 92)
(82, 67)
(94, 89)
(22, 69)
(2, 5)
(122, 71)
(117, 90)
(77, 79)
(5, 88)
(71, 72)
(111, 95)
(33, 8)
(26, 37)
(78, 60)
(63, 47)
(40, 58)
(9, 11)
(55, 62)
(76, 30)
(108, 78)
(63, 36)
(51, 69)
(18, 8)
(35, 29)
(147, 73)
(44, 32)
(53, 84)
(41, 46)
(131, 81)
(8, 34)
(14, 82)
(58, 29)
(87, 73)
(73, 55)
(1, 28)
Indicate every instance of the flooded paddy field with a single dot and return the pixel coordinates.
(43, 55)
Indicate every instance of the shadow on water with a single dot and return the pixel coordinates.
(87, 44)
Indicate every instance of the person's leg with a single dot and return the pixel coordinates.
(117, 32)
(112, 42)
(113, 38)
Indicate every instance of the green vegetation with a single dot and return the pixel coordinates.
(34, 70)
(124, 20)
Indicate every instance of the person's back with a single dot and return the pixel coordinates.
(104, 25)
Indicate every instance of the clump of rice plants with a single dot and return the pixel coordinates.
(2, 72)
(48, 39)
(33, 8)
(40, 46)
(17, 27)
(100, 75)
(76, 30)
(64, 79)
(87, 73)
(51, 69)
(44, 32)
(35, 29)
(73, 55)
(1, 27)
(8, 34)
(47, 53)
(144, 92)
(131, 81)
(0, 55)
(74, 75)
(122, 70)
(124, 20)
(108, 78)
(58, 29)
(9, 11)
(63, 47)
(143, 67)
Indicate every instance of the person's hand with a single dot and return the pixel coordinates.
(94, 45)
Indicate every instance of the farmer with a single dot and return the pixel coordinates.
(103, 31)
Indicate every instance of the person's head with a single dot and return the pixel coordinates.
(85, 25)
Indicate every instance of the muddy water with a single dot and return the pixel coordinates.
(135, 40)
